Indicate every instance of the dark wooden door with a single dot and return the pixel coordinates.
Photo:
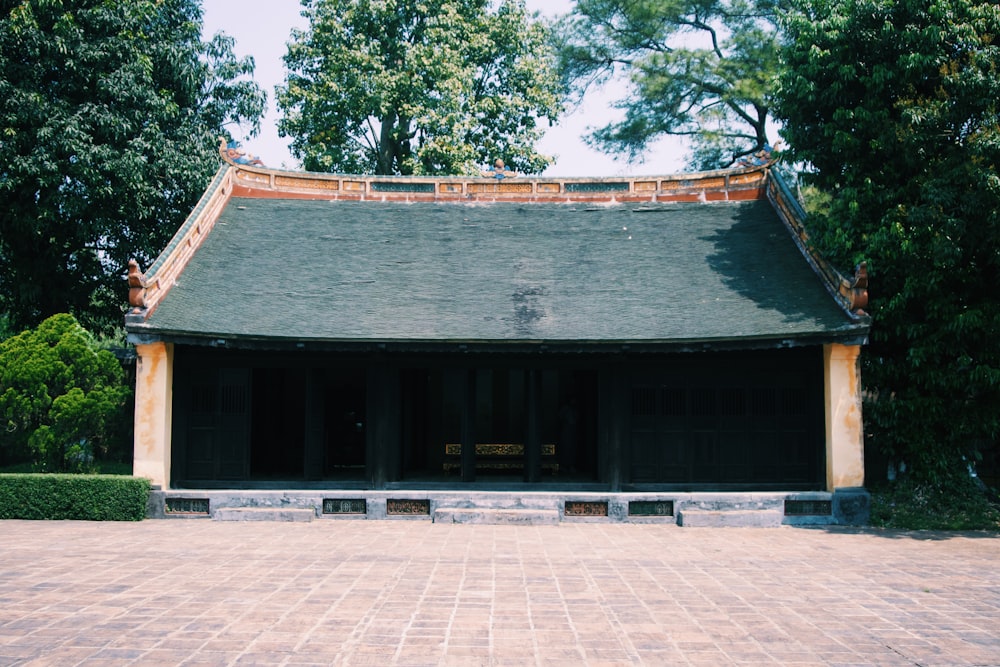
(218, 417)
(722, 425)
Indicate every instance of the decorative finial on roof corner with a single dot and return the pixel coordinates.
(233, 153)
(859, 290)
(765, 157)
(499, 171)
(136, 287)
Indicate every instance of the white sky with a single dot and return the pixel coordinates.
(262, 29)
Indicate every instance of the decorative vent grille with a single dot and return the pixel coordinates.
(187, 505)
(586, 508)
(345, 506)
(379, 186)
(408, 507)
(597, 187)
(808, 507)
(651, 508)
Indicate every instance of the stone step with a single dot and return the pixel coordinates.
(497, 516)
(263, 514)
(701, 518)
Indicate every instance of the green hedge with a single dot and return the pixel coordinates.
(79, 497)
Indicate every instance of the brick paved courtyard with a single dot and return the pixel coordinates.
(198, 592)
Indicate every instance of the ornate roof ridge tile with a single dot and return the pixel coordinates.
(253, 179)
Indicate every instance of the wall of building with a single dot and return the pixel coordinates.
(153, 412)
(844, 428)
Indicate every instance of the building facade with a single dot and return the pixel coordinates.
(363, 334)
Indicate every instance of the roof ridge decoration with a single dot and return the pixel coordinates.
(850, 293)
(232, 152)
(252, 179)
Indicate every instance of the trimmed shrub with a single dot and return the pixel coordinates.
(956, 504)
(62, 396)
(77, 497)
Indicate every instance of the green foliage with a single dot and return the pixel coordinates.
(816, 202)
(417, 86)
(61, 395)
(956, 503)
(896, 103)
(700, 70)
(110, 114)
(73, 497)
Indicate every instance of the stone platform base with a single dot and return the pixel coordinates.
(516, 506)
(482, 515)
(262, 514)
(696, 518)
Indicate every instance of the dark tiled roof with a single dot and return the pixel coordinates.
(274, 268)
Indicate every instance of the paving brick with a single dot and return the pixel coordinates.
(418, 593)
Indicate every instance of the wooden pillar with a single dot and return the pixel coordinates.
(613, 392)
(314, 446)
(392, 448)
(533, 433)
(382, 414)
(845, 448)
(469, 428)
(153, 412)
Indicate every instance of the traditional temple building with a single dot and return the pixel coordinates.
(644, 348)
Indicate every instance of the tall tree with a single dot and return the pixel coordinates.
(699, 69)
(896, 103)
(109, 118)
(417, 86)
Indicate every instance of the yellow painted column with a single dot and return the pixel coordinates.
(845, 445)
(153, 399)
